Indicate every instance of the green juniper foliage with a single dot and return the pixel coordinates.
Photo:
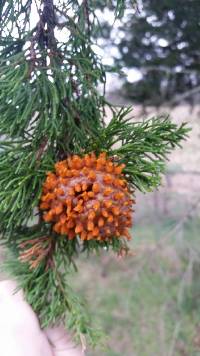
(50, 107)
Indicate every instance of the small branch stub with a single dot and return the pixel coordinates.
(34, 251)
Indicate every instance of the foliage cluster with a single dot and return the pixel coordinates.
(50, 108)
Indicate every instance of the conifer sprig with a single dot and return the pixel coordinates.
(48, 291)
(50, 109)
(142, 146)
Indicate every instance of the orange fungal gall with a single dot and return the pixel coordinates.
(88, 197)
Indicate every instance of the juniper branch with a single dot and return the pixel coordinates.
(51, 108)
(142, 146)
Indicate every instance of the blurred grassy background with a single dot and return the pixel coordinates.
(149, 303)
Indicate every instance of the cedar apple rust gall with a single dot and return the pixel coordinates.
(88, 197)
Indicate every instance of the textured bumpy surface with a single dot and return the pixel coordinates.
(88, 197)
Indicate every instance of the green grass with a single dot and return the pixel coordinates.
(145, 303)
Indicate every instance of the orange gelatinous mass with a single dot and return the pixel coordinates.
(88, 196)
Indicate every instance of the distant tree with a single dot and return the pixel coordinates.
(162, 40)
